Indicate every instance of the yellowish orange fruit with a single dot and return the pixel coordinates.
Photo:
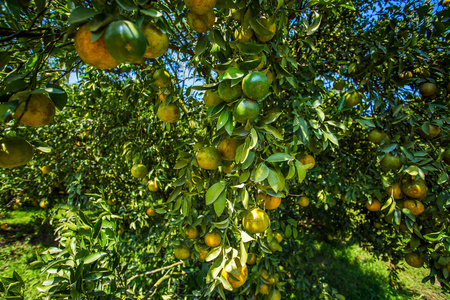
(213, 239)
(151, 212)
(236, 281)
(139, 171)
(375, 206)
(153, 186)
(255, 220)
(251, 259)
(308, 159)
(182, 252)
(227, 148)
(415, 189)
(14, 152)
(271, 202)
(271, 26)
(304, 201)
(191, 232)
(169, 113)
(39, 111)
(209, 158)
(201, 23)
(395, 191)
(200, 7)
(414, 260)
(415, 206)
(158, 41)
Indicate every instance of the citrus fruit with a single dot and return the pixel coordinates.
(201, 23)
(273, 279)
(375, 206)
(236, 280)
(414, 260)
(265, 274)
(228, 169)
(153, 186)
(255, 85)
(200, 7)
(391, 162)
(191, 232)
(202, 252)
(227, 148)
(395, 191)
(446, 156)
(169, 113)
(14, 152)
(339, 85)
(44, 204)
(95, 53)
(125, 41)
(352, 99)
(415, 206)
(415, 189)
(38, 112)
(304, 201)
(308, 159)
(264, 289)
(251, 259)
(428, 89)
(274, 245)
(139, 171)
(271, 26)
(212, 239)
(446, 4)
(275, 295)
(209, 158)
(110, 201)
(376, 136)
(278, 237)
(211, 98)
(255, 220)
(243, 34)
(228, 92)
(246, 110)
(183, 252)
(161, 78)
(46, 169)
(158, 41)
(434, 132)
(151, 212)
(271, 202)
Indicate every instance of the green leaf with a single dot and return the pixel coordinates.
(127, 5)
(233, 73)
(223, 224)
(181, 163)
(273, 131)
(250, 48)
(435, 236)
(152, 13)
(202, 43)
(223, 119)
(301, 170)
(282, 71)
(218, 39)
(278, 157)
(274, 181)
(331, 137)
(81, 15)
(219, 203)
(214, 192)
(58, 95)
(317, 18)
(93, 257)
(261, 173)
(258, 28)
(388, 148)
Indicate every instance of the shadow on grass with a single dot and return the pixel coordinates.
(357, 276)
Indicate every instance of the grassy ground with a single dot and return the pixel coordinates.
(19, 242)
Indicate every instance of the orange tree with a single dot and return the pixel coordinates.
(261, 126)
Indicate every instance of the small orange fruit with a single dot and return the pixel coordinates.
(153, 186)
(38, 112)
(213, 239)
(415, 206)
(209, 158)
(251, 259)
(169, 113)
(255, 220)
(271, 202)
(203, 252)
(414, 260)
(139, 171)
(278, 237)
(211, 98)
(434, 132)
(191, 232)
(151, 212)
(376, 136)
(201, 23)
(304, 201)
(428, 89)
(308, 159)
(183, 252)
(236, 280)
(200, 7)
(275, 295)
(375, 206)
(352, 99)
(391, 162)
(415, 189)
(227, 148)
(264, 289)
(395, 191)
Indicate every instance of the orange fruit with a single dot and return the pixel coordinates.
(209, 158)
(446, 156)
(46, 169)
(352, 99)
(415, 189)
(251, 259)
(228, 92)
(95, 53)
(255, 220)
(227, 149)
(278, 237)
(428, 89)
(269, 26)
(375, 206)
(376, 136)
(236, 280)
(304, 201)
(191, 232)
(264, 289)
(274, 245)
(125, 41)
(183, 252)
(415, 206)
(434, 132)
(308, 159)
(271, 202)
(151, 212)
(161, 78)
(169, 113)
(153, 186)
(158, 41)
(414, 260)
(203, 252)
(211, 98)
(391, 162)
(395, 191)
(44, 204)
(201, 23)
(139, 171)
(200, 7)
(213, 239)
(14, 152)
(265, 274)
(255, 85)
(38, 112)
(275, 295)
(246, 110)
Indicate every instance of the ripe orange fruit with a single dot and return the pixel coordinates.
(275, 295)
(211, 98)
(14, 152)
(46, 169)
(158, 41)
(213, 239)
(125, 41)
(278, 237)
(169, 113)
(139, 171)
(376, 136)
(151, 212)
(304, 201)
(391, 162)
(227, 149)
(414, 260)
(415, 189)
(375, 206)
(255, 85)
(236, 280)
(161, 78)
(201, 23)
(415, 206)
(428, 89)
(264, 289)
(200, 7)
(251, 259)
(153, 186)
(255, 220)
(269, 26)
(434, 132)
(95, 53)
(395, 191)
(352, 99)
(228, 169)
(44, 204)
(228, 92)
(183, 252)
(271, 202)
(209, 158)
(202, 252)
(308, 159)
(246, 110)
(191, 232)
(39, 111)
